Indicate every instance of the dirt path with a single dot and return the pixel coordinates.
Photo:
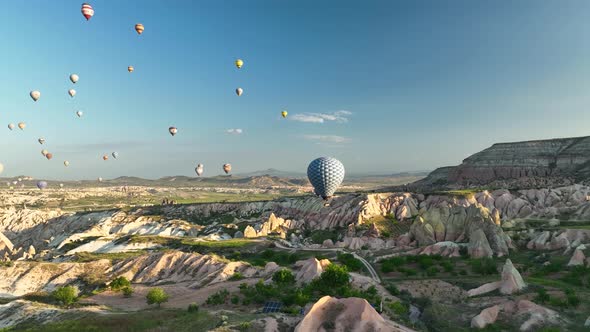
(180, 295)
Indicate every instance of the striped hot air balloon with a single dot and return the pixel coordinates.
(139, 28)
(87, 11)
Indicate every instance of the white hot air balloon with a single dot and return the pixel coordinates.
(66, 163)
(1, 168)
(99, 179)
(41, 140)
(199, 169)
(79, 114)
(74, 78)
(11, 126)
(72, 92)
(61, 185)
(44, 152)
(35, 95)
(115, 154)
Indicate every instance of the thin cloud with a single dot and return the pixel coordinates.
(327, 138)
(338, 116)
(236, 131)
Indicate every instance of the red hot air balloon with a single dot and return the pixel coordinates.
(49, 156)
(87, 11)
(105, 157)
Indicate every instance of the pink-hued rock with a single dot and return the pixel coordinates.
(486, 316)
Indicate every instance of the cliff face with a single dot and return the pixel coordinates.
(520, 164)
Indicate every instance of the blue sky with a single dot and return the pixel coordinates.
(384, 86)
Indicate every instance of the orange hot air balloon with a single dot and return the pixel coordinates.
(227, 168)
(87, 11)
(130, 69)
(48, 156)
(139, 28)
(22, 125)
(105, 157)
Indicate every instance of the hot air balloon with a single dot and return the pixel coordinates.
(11, 126)
(87, 11)
(19, 179)
(49, 156)
(41, 185)
(105, 157)
(239, 91)
(61, 185)
(115, 154)
(172, 130)
(41, 140)
(22, 125)
(44, 152)
(227, 168)
(74, 78)
(199, 169)
(326, 175)
(239, 63)
(79, 114)
(35, 95)
(284, 114)
(130, 69)
(1, 168)
(99, 179)
(72, 92)
(15, 182)
(66, 163)
(139, 28)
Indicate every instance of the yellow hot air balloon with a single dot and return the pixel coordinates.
(239, 63)
(284, 114)
(139, 28)
(22, 125)
(130, 69)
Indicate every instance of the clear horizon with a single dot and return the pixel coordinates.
(382, 86)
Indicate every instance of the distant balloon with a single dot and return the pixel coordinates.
(19, 179)
(227, 168)
(15, 182)
(66, 163)
(139, 28)
(22, 125)
(199, 169)
(61, 185)
(130, 69)
(49, 156)
(87, 11)
(72, 92)
(1, 168)
(11, 126)
(239, 91)
(105, 157)
(284, 114)
(115, 154)
(41, 140)
(79, 114)
(239, 63)
(99, 179)
(325, 174)
(74, 78)
(35, 95)
(172, 130)
(41, 185)
(44, 152)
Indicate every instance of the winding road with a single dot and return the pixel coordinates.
(368, 265)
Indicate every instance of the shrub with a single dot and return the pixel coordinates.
(392, 289)
(542, 296)
(334, 276)
(390, 264)
(244, 326)
(572, 298)
(283, 276)
(399, 308)
(127, 291)
(156, 296)
(235, 299)
(432, 271)
(484, 266)
(193, 307)
(218, 298)
(448, 266)
(119, 283)
(66, 295)
(352, 263)
(236, 276)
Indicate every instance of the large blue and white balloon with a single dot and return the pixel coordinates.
(326, 175)
(41, 185)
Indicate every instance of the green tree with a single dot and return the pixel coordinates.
(283, 276)
(334, 276)
(127, 291)
(156, 296)
(119, 283)
(66, 295)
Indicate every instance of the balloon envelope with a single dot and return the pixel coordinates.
(11, 126)
(44, 152)
(284, 114)
(87, 11)
(49, 156)
(66, 163)
(72, 92)
(79, 114)
(172, 130)
(35, 95)
(130, 69)
(239, 63)
(74, 78)
(227, 168)
(22, 125)
(139, 28)
(326, 175)
(239, 91)
(115, 155)
(1, 168)
(199, 169)
(41, 140)
(41, 185)
(105, 157)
